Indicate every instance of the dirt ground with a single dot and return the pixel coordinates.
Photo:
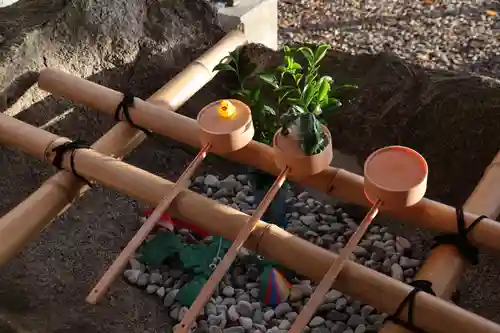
(43, 290)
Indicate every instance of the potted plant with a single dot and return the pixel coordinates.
(291, 99)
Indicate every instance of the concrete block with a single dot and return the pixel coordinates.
(258, 19)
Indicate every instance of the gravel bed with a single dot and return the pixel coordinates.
(235, 307)
(448, 34)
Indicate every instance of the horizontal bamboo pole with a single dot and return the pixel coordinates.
(434, 315)
(445, 264)
(336, 182)
(56, 194)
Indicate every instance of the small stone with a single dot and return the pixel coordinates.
(161, 292)
(246, 322)
(258, 316)
(228, 301)
(366, 311)
(132, 275)
(234, 329)
(228, 291)
(332, 296)
(360, 329)
(174, 313)
(356, 320)
(387, 236)
(155, 278)
(361, 252)
(211, 309)
(244, 309)
(170, 298)
(397, 272)
(232, 313)
(403, 242)
(406, 262)
(290, 316)
(320, 329)
(410, 272)
(214, 329)
(337, 227)
(336, 316)
(268, 315)
(341, 304)
(316, 321)
(136, 265)
(143, 280)
(284, 325)
(254, 293)
(211, 180)
(243, 297)
(282, 309)
(339, 327)
(296, 293)
(308, 219)
(152, 288)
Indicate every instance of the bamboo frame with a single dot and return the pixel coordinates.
(433, 314)
(445, 264)
(336, 182)
(54, 196)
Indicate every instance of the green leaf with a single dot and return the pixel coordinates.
(308, 54)
(324, 89)
(188, 293)
(295, 66)
(309, 93)
(160, 247)
(224, 67)
(254, 95)
(269, 78)
(269, 110)
(317, 110)
(320, 53)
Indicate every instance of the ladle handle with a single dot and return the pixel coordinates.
(223, 266)
(121, 261)
(326, 283)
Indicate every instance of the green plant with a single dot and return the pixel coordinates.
(300, 97)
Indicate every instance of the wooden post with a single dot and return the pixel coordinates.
(58, 192)
(445, 264)
(433, 315)
(340, 183)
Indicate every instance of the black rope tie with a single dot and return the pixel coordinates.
(64, 148)
(459, 239)
(418, 285)
(123, 108)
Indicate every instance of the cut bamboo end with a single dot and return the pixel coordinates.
(396, 175)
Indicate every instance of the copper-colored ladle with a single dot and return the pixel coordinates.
(395, 177)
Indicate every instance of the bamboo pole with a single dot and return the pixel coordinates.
(336, 182)
(434, 315)
(122, 260)
(222, 268)
(445, 264)
(57, 193)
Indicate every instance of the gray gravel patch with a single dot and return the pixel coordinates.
(456, 35)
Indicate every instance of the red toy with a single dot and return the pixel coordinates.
(168, 222)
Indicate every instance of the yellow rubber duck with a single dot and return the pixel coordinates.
(226, 109)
